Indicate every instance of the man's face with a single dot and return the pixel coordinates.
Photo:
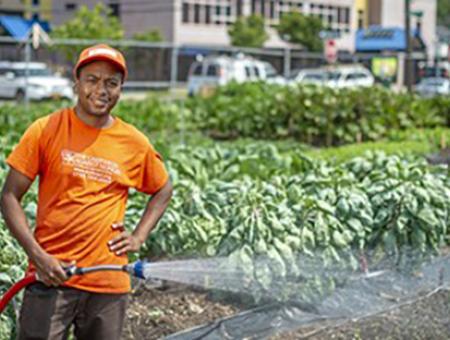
(98, 86)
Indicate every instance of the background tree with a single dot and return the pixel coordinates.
(301, 29)
(150, 36)
(443, 13)
(97, 23)
(248, 31)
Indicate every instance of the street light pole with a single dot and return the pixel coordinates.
(409, 71)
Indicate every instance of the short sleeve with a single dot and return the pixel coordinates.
(26, 157)
(153, 174)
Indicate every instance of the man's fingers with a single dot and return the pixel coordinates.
(118, 238)
(123, 249)
(49, 280)
(118, 246)
(59, 275)
(118, 226)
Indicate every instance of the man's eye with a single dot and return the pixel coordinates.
(113, 83)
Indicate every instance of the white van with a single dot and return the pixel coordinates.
(220, 70)
(42, 83)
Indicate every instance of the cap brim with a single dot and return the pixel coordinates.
(101, 58)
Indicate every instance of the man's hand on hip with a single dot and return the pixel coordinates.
(124, 242)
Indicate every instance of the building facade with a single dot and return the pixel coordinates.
(28, 9)
(391, 13)
(206, 22)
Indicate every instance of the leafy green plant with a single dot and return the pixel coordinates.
(298, 28)
(248, 31)
(98, 23)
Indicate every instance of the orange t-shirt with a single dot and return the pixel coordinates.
(84, 177)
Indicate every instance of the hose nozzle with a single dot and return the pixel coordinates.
(136, 269)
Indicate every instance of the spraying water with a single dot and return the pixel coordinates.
(356, 294)
(212, 273)
(225, 274)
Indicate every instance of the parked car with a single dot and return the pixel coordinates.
(349, 77)
(441, 71)
(429, 87)
(216, 71)
(315, 76)
(42, 83)
(343, 76)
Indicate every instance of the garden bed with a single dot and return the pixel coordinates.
(158, 312)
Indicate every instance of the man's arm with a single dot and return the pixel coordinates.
(126, 242)
(49, 269)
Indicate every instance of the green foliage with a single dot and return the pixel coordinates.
(248, 31)
(310, 115)
(243, 198)
(298, 28)
(255, 201)
(443, 13)
(150, 36)
(97, 24)
(313, 115)
(347, 152)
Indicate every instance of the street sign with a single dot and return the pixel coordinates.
(38, 35)
(330, 51)
(329, 35)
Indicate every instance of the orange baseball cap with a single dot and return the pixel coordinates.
(101, 52)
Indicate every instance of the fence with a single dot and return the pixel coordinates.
(166, 65)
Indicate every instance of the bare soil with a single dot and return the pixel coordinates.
(157, 312)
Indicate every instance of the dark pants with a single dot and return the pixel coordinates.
(48, 313)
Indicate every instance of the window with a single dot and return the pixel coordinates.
(239, 8)
(351, 76)
(256, 72)
(312, 76)
(272, 9)
(228, 11)
(361, 75)
(35, 2)
(346, 15)
(185, 14)
(197, 13)
(71, 7)
(208, 14)
(197, 70)
(341, 14)
(115, 10)
(360, 19)
(213, 70)
(248, 71)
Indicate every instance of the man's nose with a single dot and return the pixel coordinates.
(101, 88)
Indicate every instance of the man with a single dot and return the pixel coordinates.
(86, 160)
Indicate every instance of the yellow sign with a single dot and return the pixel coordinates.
(384, 67)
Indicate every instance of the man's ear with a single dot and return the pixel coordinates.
(75, 86)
